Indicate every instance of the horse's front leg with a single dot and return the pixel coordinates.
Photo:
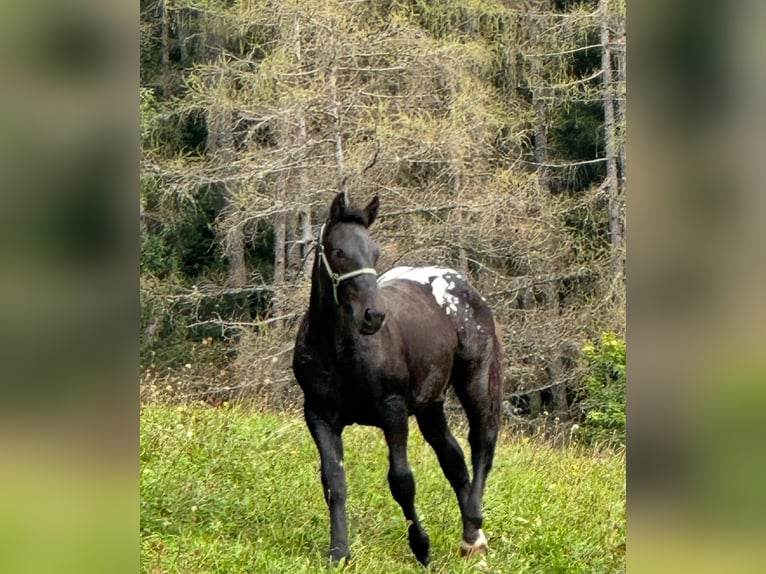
(330, 445)
(400, 477)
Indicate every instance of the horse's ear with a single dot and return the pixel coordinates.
(339, 206)
(372, 210)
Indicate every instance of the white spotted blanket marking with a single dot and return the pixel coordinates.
(441, 280)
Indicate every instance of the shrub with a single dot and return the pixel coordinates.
(603, 389)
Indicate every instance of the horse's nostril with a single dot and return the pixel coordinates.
(373, 316)
(373, 320)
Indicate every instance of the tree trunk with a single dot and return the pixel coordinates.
(539, 93)
(165, 49)
(541, 142)
(610, 133)
(456, 186)
(181, 33)
(335, 113)
(280, 232)
(621, 104)
(235, 254)
(303, 259)
(304, 213)
(456, 175)
(307, 255)
(559, 372)
(220, 148)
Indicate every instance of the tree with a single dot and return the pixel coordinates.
(480, 124)
(613, 182)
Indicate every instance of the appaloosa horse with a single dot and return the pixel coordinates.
(374, 350)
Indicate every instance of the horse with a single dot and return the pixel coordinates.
(375, 350)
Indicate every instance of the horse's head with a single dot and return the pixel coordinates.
(348, 257)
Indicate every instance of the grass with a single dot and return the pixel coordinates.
(229, 490)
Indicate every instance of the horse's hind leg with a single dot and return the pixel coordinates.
(433, 426)
(474, 389)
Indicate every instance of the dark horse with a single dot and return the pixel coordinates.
(374, 350)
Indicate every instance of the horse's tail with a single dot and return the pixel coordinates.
(495, 380)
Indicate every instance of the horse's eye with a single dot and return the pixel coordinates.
(339, 254)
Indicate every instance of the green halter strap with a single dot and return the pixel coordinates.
(335, 278)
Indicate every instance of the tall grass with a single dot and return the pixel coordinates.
(229, 490)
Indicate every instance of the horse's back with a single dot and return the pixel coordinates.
(440, 304)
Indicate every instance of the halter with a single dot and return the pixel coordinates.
(335, 279)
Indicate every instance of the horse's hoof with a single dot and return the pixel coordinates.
(339, 560)
(478, 546)
(420, 545)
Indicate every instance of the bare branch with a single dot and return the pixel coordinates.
(561, 53)
(374, 158)
(248, 324)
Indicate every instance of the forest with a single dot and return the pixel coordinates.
(492, 131)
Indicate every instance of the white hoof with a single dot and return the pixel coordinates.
(479, 546)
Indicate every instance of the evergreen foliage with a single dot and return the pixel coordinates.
(480, 124)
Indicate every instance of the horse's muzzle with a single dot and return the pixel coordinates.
(373, 321)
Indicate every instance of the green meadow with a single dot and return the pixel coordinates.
(233, 490)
